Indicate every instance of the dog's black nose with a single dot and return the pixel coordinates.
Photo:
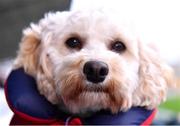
(95, 71)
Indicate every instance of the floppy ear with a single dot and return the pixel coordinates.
(29, 50)
(35, 62)
(154, 78)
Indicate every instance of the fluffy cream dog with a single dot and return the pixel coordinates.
(91, 60)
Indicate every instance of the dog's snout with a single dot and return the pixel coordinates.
(95, 71)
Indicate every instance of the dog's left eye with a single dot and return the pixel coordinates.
(118, 46)
(74, 43)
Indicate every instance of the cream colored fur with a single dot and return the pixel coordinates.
(137, 77)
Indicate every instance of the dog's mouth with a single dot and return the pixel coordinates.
(88, 97)
(95, 89)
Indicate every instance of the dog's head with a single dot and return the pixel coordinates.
(91, 61)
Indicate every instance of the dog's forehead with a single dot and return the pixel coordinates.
(92, 24)
(83, 20)
(91, 18)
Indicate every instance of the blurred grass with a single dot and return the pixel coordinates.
(172, 104)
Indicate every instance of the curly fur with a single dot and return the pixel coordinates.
(137, 77)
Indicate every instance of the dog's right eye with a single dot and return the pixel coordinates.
(74, 43)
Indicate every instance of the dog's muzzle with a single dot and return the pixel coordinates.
(95, 71)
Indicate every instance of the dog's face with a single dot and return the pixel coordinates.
(87, 61)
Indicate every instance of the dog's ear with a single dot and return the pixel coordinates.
(35, 62)
(154, 78)
(29, 50)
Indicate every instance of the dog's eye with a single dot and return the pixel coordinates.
(118, 46)
(74, 43)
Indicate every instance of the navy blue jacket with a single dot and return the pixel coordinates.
(30, 107)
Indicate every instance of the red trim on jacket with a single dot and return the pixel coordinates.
(149, 120)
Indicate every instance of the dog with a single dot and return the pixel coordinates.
(92, 60)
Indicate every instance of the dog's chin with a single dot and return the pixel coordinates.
(89, 100)
(79, 96)
(88, 103)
